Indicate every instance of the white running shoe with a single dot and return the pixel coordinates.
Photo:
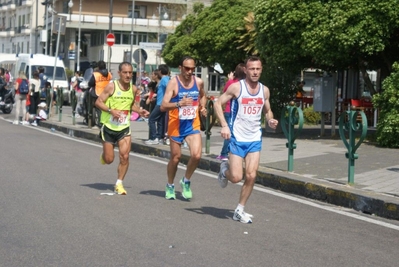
(15, 122)
(25, 123)
(242, 216)
(152, 142)
(34, 123)
(224, 166)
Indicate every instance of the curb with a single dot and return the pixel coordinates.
(341, 195)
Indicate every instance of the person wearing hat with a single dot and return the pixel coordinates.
(41, 113)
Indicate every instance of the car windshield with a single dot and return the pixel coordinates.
(49, 70)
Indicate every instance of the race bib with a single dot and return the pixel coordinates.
(188, 112)
(123, 118)
(251, 106)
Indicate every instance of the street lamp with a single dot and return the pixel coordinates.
(78, 54)
(46, 3)
(53, 12)
(70, 5)
(131, 34)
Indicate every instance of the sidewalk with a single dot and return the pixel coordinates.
(320, 166)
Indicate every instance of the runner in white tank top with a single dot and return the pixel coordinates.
(246, 112)
(249, 98)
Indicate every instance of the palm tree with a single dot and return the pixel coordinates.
(246, 40)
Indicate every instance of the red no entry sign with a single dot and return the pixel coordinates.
(110, 39)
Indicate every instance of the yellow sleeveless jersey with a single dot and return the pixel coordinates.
(119, 100)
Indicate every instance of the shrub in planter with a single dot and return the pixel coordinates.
(387, 103)
(310, 116)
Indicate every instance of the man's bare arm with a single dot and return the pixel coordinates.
(102, 98)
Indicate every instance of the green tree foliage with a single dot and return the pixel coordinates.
(182, 42)
(210, 35)
(331, 35)
(387, 103)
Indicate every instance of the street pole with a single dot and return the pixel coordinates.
(131, 34)
(37, 14)
(78, 52)
(51, 31)
(46, 47)
(110, 31)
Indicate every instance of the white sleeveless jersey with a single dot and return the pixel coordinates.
(246, 112)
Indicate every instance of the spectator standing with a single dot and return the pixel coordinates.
(34, 95)
(156, 121)
(75, 81)
(239, 74)
(3, 84)
(152, 96)
(20, 98)
(43, 80)
(300, 93)
(100, 78)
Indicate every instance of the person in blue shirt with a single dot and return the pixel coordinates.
(156, 121)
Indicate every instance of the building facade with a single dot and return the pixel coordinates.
(31, 26)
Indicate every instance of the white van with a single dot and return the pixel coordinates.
(23, 61)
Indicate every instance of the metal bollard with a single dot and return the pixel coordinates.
(210, 121)
(90, 110)
(60, 102)
(291, 115)
(49, 95)
(348, 123)
(74, 103)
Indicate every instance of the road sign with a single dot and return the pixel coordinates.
(110, 39)
(139, 56)
(156, 46)
(59, 24)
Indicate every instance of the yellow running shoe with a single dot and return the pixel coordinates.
(120, 190)
(102, 159)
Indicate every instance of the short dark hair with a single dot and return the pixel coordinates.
(152, 85)
(123, 64)
(163, 69)
(186, 58)
(41, 69)
(101, 65)
(252, 58)
(239, 72)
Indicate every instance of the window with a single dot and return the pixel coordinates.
(140, 12)
(125, 38)
(214, 82)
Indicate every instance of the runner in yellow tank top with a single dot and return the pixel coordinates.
(116, 102)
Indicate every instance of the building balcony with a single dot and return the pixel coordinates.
(9, 32)
(26, 2)
(118, 23)
(11, 5)
(25, 29)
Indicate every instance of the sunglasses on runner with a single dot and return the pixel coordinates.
(188, 68)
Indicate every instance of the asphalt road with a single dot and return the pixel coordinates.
(53, 214)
